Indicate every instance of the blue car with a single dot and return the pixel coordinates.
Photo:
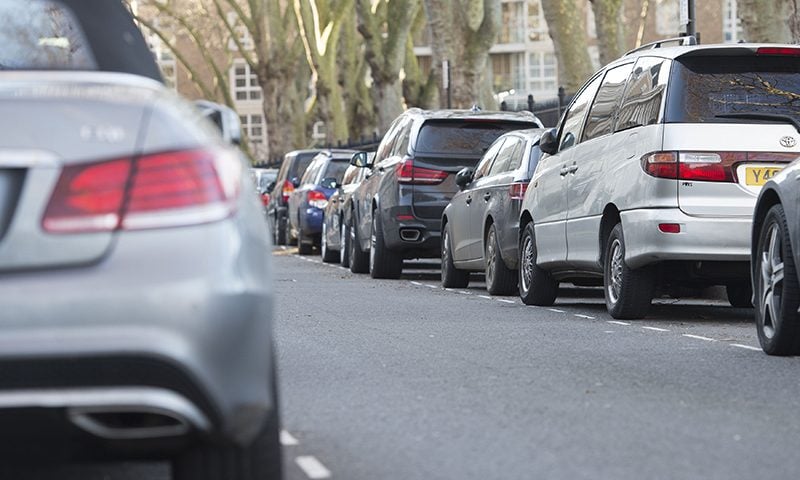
(307, 203)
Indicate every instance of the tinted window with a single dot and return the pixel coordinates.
(465, 138)
(703, 88)
(385, 148)
(301, 163)
(645, 92)
(516, 156)
(601, 116)
(505, 156)
(488, 158)
(401, 144)
(335, 169)
(573, 121)
(311, 173)
(535, 155)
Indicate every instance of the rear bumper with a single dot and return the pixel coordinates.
(415, 237)
(311, 220)
(700, 238)
(177, 325)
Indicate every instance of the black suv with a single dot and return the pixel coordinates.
(293, 167)
(397, 209)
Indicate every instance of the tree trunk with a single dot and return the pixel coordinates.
(566, 23)
(610, 29)
(769, 21)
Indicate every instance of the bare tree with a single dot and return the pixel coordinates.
(770, 21)
(566, 23)
(610, 29)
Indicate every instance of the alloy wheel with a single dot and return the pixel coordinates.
(771, 280)
(527, 263)
(616, 259)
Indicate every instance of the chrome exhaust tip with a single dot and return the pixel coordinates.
(129, 423)
(410, 234)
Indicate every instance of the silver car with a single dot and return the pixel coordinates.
(652, 175)
(134, 258)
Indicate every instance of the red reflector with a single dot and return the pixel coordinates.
(517, 190)
(778, 51)
(670, 227)
(403, 217)
(407, 172)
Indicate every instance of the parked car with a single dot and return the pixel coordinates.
(293, 167)
(308, 201)
(126, 221)
(335, 236)
(397, 209)
(480, 226)
(652, 176)
(264, 179)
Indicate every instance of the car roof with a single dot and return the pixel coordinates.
(528, 134)
(472, 115)
(710, 50)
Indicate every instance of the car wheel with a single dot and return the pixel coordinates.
(304, 245)
(451, 276)
(383, 263)
(359, 261)
(261, 460)
(740, 295)
(536, 285)
(328, 255)
(279, 231)
(777, 293)
(344, 245)
(628, 291)
(500, 280)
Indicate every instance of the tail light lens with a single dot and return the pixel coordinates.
(409, 174)
(265, 199)
(317, 199)
(517, 190)
(166, 189)
(288, 188)
(700, 166)
(785, 51)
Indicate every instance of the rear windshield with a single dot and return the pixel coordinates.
(713, 89)
(336, 169)
(465, 138)
(301, 163)
(39, 34)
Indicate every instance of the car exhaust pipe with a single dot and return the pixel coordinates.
(129, 423)
(410, 234)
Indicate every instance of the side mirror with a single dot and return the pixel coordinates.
(225, 118)
(329, 182)
(464, 176)
(295, 182)
(362, 159)
(549, 142)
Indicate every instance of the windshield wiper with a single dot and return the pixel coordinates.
(770, 117)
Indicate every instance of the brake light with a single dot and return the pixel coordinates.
(700, 166)
(778, 51)
(410, 174)
(317, 199)
(265, 199)
(661, 164)
(165, 189)
(517, 190)
(288, 188)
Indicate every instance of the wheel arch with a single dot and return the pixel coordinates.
(610, 218)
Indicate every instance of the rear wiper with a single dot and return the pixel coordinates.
(772, 117)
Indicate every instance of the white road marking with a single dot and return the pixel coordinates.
(416, 283)
(698, 337)
(656, 329)
(487, 297)
(617, 322)
(312, 467)
(462, 292)
(506, 301)
(287, 440)
(746, 347)
(556, 310)
(584, 316)
(450, 290)
(431, 286)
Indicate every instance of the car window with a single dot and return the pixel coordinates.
(576, 114)
(601, 116)
(516, 156)
(400, 147)
(301, 163)
(488, 158)
(310, 176)
(335, 169)
(501, 164)
(350, 175)
(535, 155)
(462, 137)
(644, 94)
(387, 143)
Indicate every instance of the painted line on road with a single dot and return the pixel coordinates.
(313, 468)
(506, 301)
(617, 322)
(698, 337)
(746, 347)
(287, 440)
(487, 297)
(656, 329)
(431, 286)
(556, 310)
(463, 292)
(583, 316)
(416, 283)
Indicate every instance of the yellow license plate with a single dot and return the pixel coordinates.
(757, 176)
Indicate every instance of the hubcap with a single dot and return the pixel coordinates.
(615, 271)
(527, 263)
(771, 280)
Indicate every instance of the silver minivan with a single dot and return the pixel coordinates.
(651, 177)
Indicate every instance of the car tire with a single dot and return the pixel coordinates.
(344, 245)
(303, 247)
(536, 285)
(260, 460)
(628, 291)
(279, 232)
(777, 293)
(451, 276)
(328, 255)
(359, 260)
(500, 280)
(740, 295)
(383, 263)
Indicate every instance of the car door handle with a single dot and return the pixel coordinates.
(573, 168)
(564, 171)
(468, 200)
(487, 196)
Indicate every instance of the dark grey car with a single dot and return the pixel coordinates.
(397, 209)
(335, 234)
(480, 226)
(292, 169)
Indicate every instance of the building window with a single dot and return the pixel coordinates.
(512, 27)
(543, 77)
(254, 129)
(244, 82)
(537, 27)
(731, 24)
(163, 56)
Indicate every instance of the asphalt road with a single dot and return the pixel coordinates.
(404, 380)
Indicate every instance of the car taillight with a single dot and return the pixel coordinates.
(778, 51)
(288, 188)
(700, 166)
(165, 189)
(265, 199)
(408, 173)
(317, 199)
(517, 190)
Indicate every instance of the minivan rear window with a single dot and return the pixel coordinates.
(713, 90)
(462, 138)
